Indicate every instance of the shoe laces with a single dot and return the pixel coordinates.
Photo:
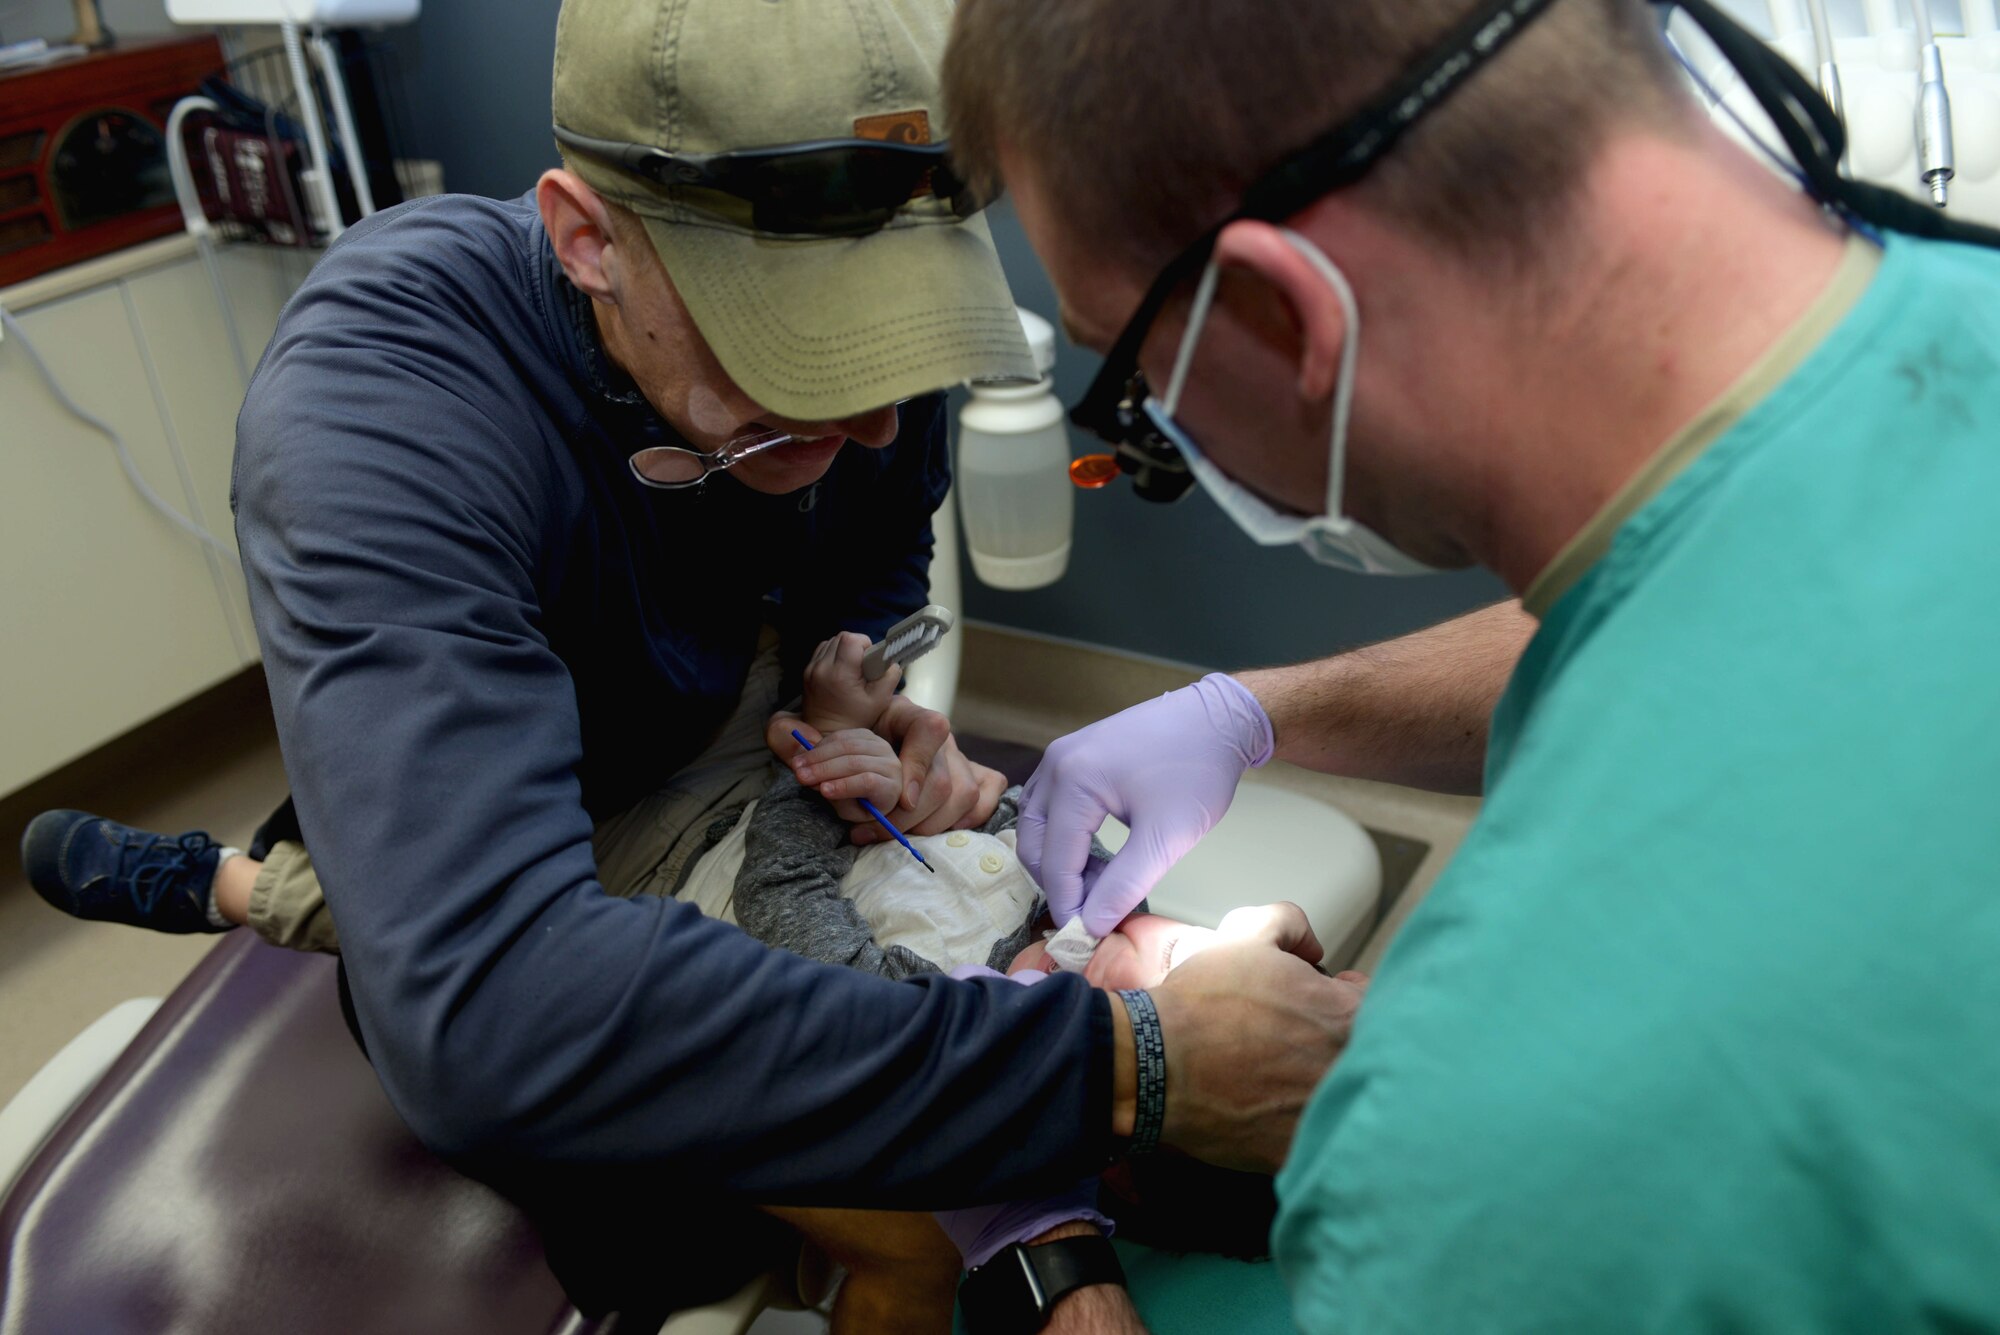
(155, 866)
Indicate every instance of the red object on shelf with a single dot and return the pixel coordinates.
(83, 168)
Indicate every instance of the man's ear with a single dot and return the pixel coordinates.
(1261, 250)
(578, 222)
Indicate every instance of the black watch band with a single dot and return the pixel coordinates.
(1014, 1293)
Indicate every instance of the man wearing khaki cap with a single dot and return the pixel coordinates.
(492, 635)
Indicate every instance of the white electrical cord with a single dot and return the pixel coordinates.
(197, 223)
(124, 452)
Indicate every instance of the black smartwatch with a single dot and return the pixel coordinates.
(1016, 1291)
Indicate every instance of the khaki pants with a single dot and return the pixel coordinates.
(644, 850)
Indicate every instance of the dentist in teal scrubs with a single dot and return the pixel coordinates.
(1700, 1030)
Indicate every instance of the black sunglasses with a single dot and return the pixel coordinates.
(1112, 408)
(829, 187)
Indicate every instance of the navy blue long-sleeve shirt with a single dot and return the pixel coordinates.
(480, 634)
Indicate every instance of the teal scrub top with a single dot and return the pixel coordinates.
(1701, 1029)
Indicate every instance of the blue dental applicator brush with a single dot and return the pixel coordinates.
(880, 819)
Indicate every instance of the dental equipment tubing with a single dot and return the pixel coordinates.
(880, 819)
(1785, 19)
(1816, 138)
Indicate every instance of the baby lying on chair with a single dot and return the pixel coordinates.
(786, 869)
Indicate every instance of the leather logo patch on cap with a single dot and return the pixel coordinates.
(896, 127)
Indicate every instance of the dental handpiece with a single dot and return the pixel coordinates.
(1937, 164)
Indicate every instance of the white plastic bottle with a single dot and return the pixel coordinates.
(1014, 492)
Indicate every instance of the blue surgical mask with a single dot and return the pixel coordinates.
(1331, 538)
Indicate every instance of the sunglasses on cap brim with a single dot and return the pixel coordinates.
(829, 187)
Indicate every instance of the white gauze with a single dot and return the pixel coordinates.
(1072, 947)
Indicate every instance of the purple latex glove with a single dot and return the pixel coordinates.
(984, 1231)
(1168, 769)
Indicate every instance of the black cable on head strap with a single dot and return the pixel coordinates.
(1332, 162)
(1348, 152)
(1817, 139)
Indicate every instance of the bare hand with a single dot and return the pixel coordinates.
(942, 790)
(1251, 1028)
(845, 767)
(837, 697)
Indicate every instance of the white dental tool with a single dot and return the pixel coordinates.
(907, 641)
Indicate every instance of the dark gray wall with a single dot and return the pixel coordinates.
(1175, 581)
(476, 80)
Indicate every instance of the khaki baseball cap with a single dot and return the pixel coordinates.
(814, 329)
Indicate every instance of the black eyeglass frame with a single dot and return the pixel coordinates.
(1111, 409)
(744, 174)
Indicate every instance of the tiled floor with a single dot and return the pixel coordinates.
(211, 765)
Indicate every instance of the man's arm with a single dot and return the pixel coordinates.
(514, 1011)
(1101, 1309)
(1412, 710)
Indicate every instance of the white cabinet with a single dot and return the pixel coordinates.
(109, 614)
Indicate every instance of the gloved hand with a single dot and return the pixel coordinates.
(984, 1231)
(1167, 768)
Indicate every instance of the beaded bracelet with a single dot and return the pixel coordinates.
(1151, 1049)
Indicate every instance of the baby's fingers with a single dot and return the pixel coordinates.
(849, 766)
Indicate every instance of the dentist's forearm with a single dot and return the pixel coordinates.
(1412, 711)
(1101, 1309)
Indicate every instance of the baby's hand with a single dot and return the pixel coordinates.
(838, 698)
(846, 766)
